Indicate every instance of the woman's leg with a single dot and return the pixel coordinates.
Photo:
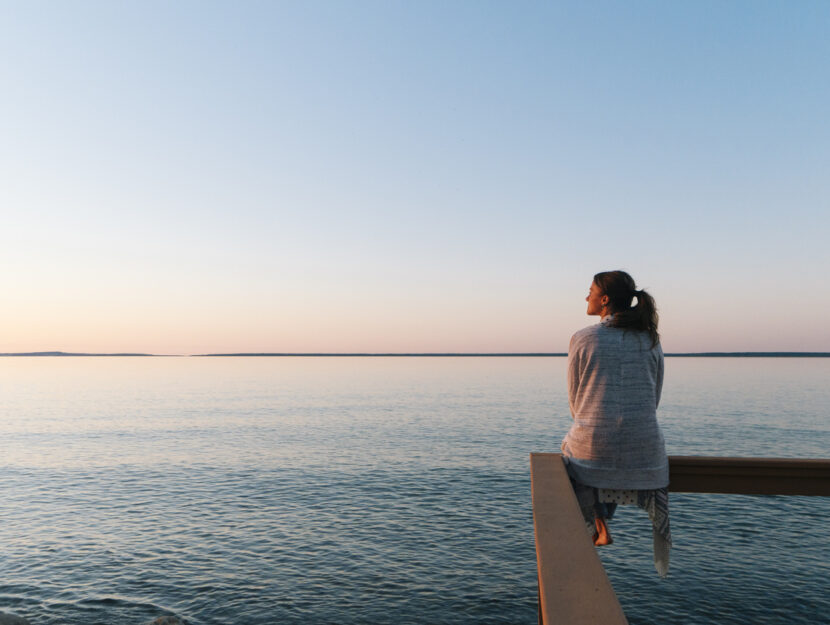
(602, 512)
(603, 535)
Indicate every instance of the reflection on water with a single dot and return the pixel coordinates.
(394, 490)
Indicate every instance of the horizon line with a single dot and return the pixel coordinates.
(741, 354)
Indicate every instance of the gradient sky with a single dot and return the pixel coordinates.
(191, 177)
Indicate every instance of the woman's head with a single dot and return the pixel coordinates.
(613, 292)
(616, 289)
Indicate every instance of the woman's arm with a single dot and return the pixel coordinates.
(659, 389)
(573, 374)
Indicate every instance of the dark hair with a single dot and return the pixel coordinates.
(621, 291)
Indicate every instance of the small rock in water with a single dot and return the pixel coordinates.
(12, 619)
(162, 620)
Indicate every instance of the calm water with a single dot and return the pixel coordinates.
(386, 490)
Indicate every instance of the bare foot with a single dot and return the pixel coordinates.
(602, 536)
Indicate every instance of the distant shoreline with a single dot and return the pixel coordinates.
(63, 354)
(414, 355)
(520, 355)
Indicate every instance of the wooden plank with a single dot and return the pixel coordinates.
(573, 586)
(749, 476)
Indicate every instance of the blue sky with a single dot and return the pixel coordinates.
(193, 177)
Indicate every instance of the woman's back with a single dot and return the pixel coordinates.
(615, 377)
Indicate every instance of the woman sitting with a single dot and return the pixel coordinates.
(614, 449)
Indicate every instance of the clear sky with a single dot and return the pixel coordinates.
(191, 177)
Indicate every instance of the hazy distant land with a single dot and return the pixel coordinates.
(71, 354)
(430, 355)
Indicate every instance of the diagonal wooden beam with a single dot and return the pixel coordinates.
(573, 586)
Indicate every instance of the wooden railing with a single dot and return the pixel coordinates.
(573, 586)
(749, 476)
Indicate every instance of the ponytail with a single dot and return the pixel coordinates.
(620, 289)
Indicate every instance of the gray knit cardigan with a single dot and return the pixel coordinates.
(614, 382)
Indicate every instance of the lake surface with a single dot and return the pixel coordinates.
(376, 490)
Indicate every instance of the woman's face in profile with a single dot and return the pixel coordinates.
(596, 300)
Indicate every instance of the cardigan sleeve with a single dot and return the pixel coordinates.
(573, 374)
(659, 382)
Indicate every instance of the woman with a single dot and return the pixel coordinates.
(614, 450)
